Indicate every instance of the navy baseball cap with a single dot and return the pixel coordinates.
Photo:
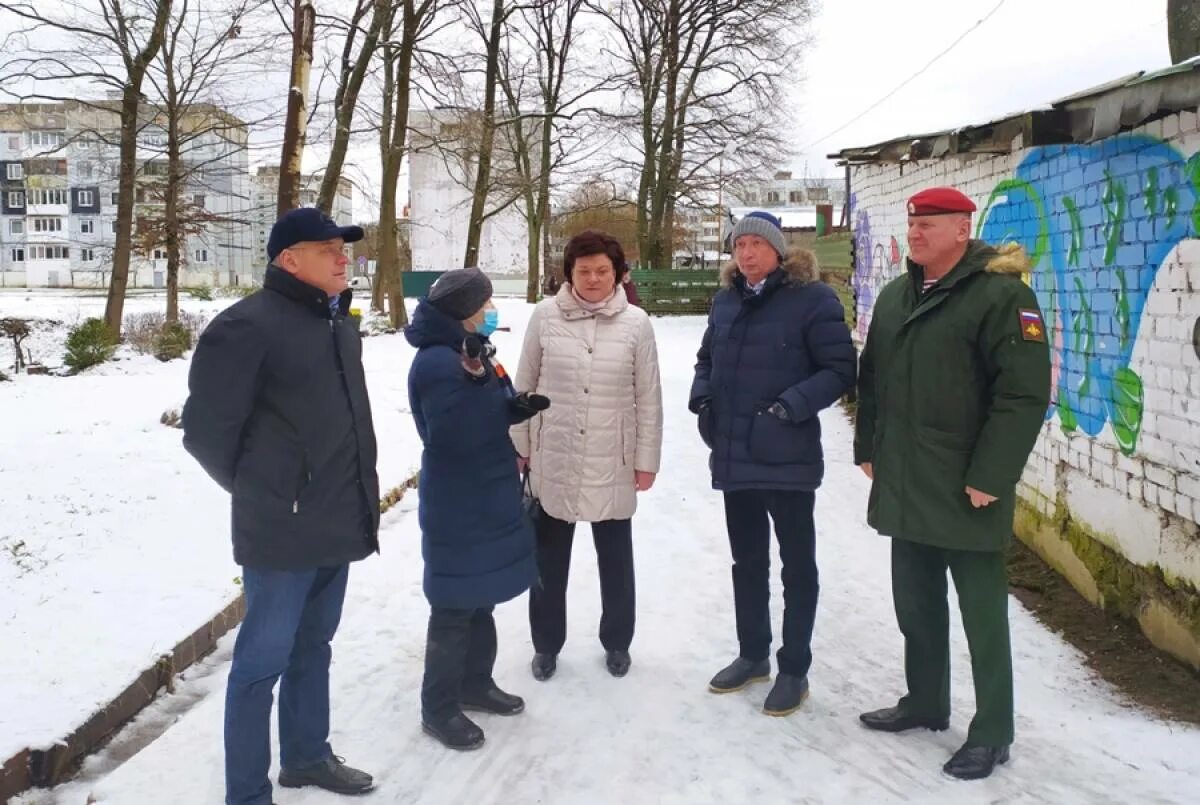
(307, 224)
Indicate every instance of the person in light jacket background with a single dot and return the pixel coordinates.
(594, 354)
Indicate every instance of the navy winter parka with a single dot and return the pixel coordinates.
(789, 343)
(477, 542)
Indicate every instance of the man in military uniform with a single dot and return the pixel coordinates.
(954, 384)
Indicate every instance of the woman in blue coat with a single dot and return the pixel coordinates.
(477, 542)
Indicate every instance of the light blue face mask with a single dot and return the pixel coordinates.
(491, 319)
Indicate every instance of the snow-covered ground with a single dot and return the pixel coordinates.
(114, 544)
(656, 735)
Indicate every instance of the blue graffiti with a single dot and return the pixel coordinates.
(1097, 221)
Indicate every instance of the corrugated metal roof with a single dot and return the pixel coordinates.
(1085, 116)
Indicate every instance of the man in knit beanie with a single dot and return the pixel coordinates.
(776, 352)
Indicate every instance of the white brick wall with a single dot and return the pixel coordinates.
(1123, 493)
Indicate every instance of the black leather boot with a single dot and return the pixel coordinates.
(738, 674)
(894, 719)
(975, 762)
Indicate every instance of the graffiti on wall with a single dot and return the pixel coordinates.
(875, 262)
(1098, 221)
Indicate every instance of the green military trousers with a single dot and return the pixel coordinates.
(919, 593)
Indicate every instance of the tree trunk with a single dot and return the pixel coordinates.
(296, 125)
(136, 66)
(484, 172)
(1183, 29)
(347, 99)
(174, 181)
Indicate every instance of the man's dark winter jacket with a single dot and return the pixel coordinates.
(278, 415)
(476, 538)
(787, 344)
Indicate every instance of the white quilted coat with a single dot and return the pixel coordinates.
(600, 371)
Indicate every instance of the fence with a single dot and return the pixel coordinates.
(678, 292)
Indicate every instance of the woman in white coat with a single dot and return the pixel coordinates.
(589, 455)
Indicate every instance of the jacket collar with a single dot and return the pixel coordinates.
(774, 281)
(975, 261)
(570, 308)
(316, 300)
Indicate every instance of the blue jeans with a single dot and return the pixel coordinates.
(291, 617)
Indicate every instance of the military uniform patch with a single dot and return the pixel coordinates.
(1032, 327)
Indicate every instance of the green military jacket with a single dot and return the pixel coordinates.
(954, 385)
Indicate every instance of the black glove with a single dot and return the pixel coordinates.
(472, 349)
(778, 410)
(526, 406)
(702, 403)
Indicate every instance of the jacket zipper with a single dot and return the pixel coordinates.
(302, 484)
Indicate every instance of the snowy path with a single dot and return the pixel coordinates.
(658, 735)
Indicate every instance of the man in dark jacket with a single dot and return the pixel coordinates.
(278, 415)
(954, 387)
(776, 352)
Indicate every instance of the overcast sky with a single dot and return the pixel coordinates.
(1030, 52)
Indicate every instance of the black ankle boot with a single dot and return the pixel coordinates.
(456, 732)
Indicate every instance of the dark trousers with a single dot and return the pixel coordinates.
(746, 514)
(919, 592)
(460, 653)
(548, 598)
(291, 617)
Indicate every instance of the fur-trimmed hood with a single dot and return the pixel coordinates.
(1009, 258)
(800, 265)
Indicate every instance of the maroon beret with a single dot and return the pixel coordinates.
(939, 201)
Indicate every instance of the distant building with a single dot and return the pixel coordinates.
(59, 174)
(783, 190)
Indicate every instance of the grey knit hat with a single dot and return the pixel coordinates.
(461, 293)
(763, 224)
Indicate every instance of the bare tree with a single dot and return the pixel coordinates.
(110, 44)
(1183, 29)
(700, 74)
(296, 127)
(205, 45)
(367, 20)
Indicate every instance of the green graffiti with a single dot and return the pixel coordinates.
(1113, 202)
(1084, 333)
(1152, 191)
(1066, 416)
(1076, 246)
(1171, 205)
(1127, 405)
(1193, 172)
(1123, 314)
(1042, 244)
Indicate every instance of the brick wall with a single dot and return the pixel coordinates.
(1111, 228)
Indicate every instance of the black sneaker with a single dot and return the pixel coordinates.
(544, 666)
(332, 774)
(456, 732)
(975, 762)
(617, 662)
(740, 673)
(492, 700)
(895, 719)
(787, 695)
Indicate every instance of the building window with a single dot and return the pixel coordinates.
(16, 198)
(795, 197)
(84, 169)
(48, 197)
(772, 197)
(114, 226)
(85, 198)
(116, 197)
(47, 225)
(160, 254)
(16, 227)
(198, 200)
(16, 170)
(17, 255)
(14, 142)
(49, 253)
(87, 255)
(46, 139)
(201, 255)
(87, 226)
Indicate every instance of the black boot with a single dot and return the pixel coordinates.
(544, 666)
(738, 674)
(617, 662)
(456, 732)
(975, 762)
(492, 700)
(787, 695)
(331, 774)
(894, 719)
